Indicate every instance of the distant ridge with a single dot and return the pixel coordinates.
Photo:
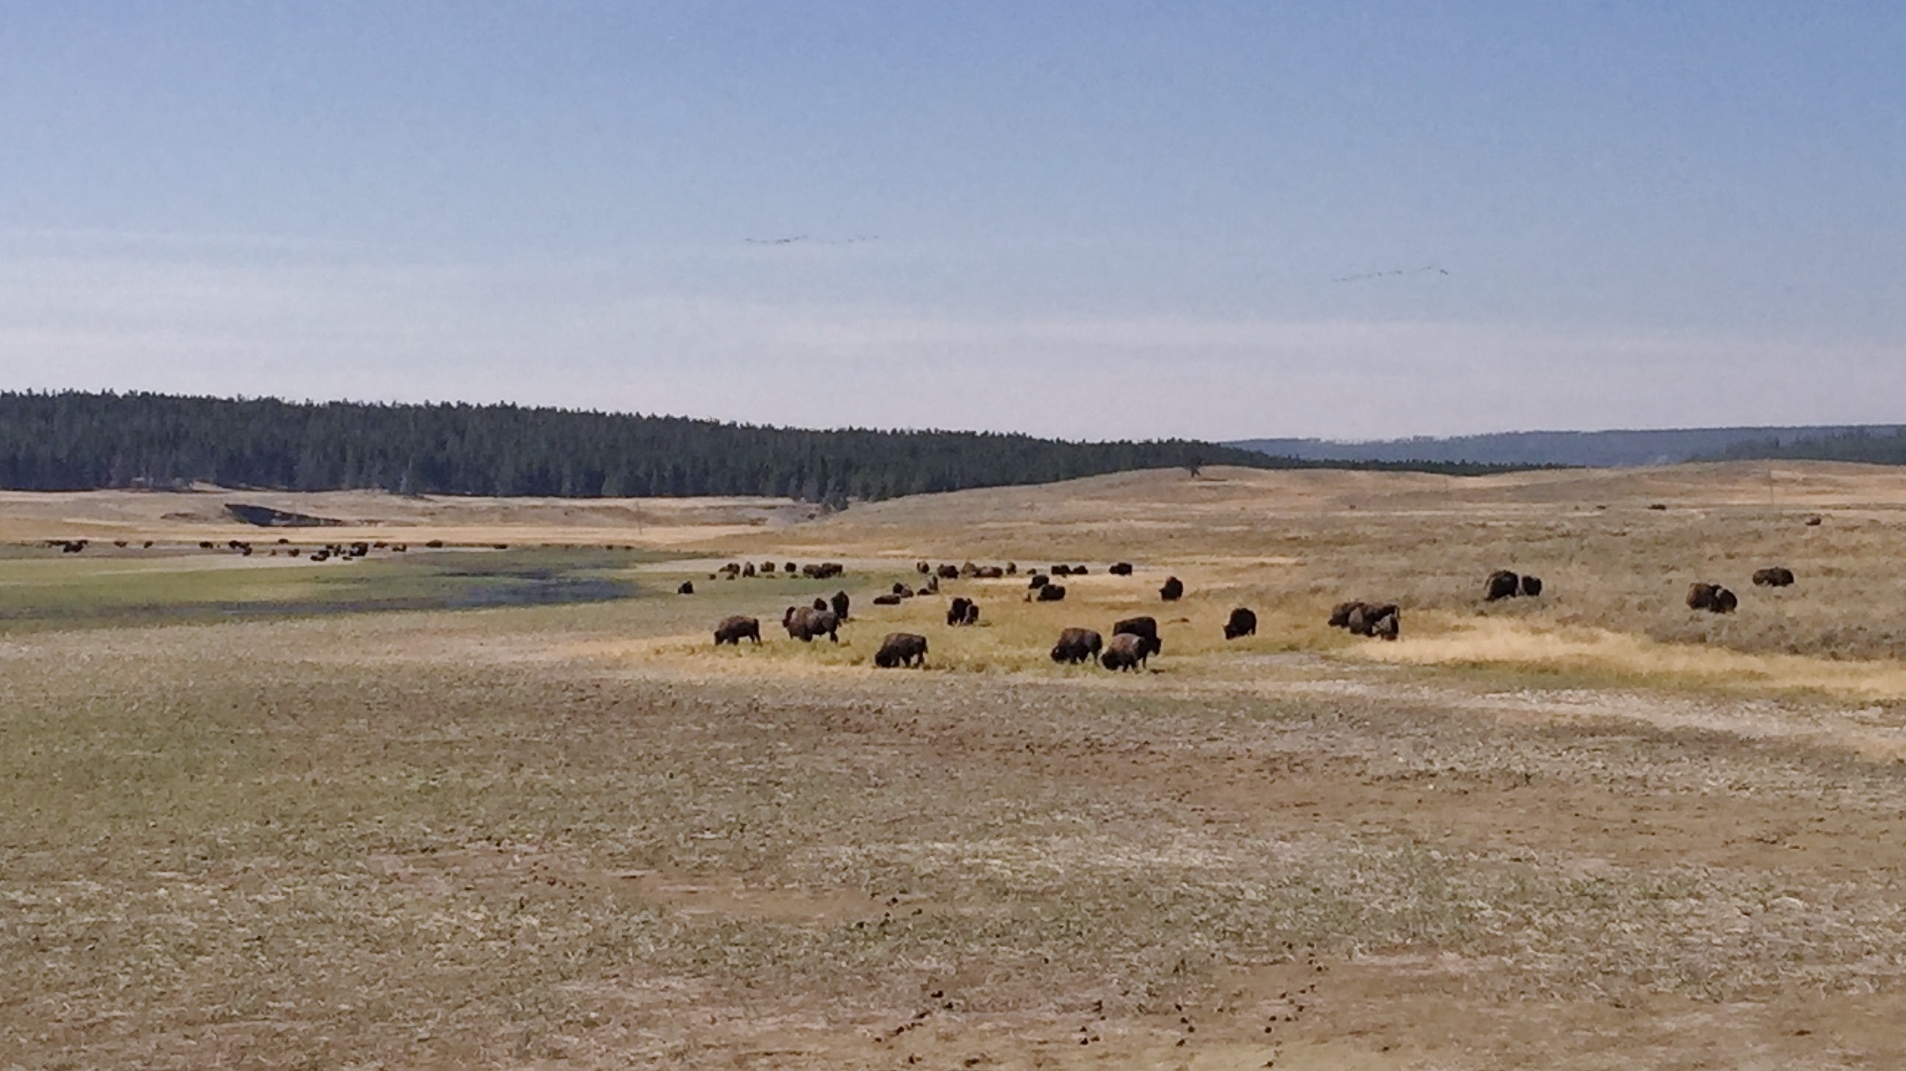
(1593, 449)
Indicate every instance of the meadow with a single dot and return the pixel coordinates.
(1589, 830)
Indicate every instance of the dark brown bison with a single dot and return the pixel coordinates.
(820, 603)
(1039, 580)
(990, 572)
(1125, 651)
(969, 569)
(1052, 593)
(1077, 645)
(804, 623)
(1502, 584)
(748, 570)
(1080, 570)
(1364, 619)
(902, 590)
(1121, 569)
(1814, 521)
(963, 611)
(687, 588)
(1144, 627)
(767, 567)
(839, 604)
(947, 572)
(888, 599)
(1531, 585)
(1061, 570)
(922, 568)
(1778, 576)
(1340, 614)
(901, 649)
(1242, 623)
(1173, 590)
(1012, 568)
(1387, 626)
(1724, 601)
(1701, 595)
(735, 629)
(790, 567)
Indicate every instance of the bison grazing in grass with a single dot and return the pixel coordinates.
(1242, 623)
(735, 629)
(1502, 584)
(922, 568)
(840, 604)
(1077, 645)
(947, 572)
(1367, 619)
(1711, 597)
(1126, 651)
(963, 611)
(1531, 585)
(1052, 593)
(1340, 614)
(1778, 576)
(1039, 580)
(1121, 569)
(1173, 590)
(1146, 628)
(804, 623)
(687, 588)
(1060, 570)
(901, 649)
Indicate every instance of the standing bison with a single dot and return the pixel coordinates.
(1126, 651)
(840, 604)
(1039, 580)
(1145, 628)
(1077, 645)
(687, 587)
(902, 649)
(735, 629)
(1121, 569)
(1173, 590)
(1531, 585)
(1243, 622)
(963, 611)
(1382, 620)
(1052, 593)
(1502, 584)
(804, 623)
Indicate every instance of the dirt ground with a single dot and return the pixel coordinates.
(579, 836)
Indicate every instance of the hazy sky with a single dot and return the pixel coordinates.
(1090, 220)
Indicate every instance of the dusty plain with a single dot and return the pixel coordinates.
(480, 807)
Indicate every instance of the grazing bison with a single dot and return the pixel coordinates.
(948, 572)
(1502, 584)
(1724, 601)
(1145, 628)
(969, 569)
(1340, 614)
(1242, 623)
(1778, 576)
(839, 605)
(901, 590)
(1077, 645)
(790, 567)
(1125, 651)
(804, 623)
(734, 629)
(902, 649)
(1080, 570)
(922, 568)
(767, 567)
(1061, 570)
(687, 588)
(1121, 569)
(1039, 580)
(888, 599)
(1052, 593)
(1173, 590)
(1387, 626)
(1531, 585)
(1365, 618)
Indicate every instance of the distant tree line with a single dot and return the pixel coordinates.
(81, 441)
(1876, 446)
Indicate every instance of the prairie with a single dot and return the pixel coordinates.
(358, 825)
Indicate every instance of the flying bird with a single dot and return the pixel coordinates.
(1394, 271)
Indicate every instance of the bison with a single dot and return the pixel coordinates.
(1701, 595)
(1144, 627)
(1126, 651)
(1366, 617)
(804, 623)
(1052, 593)
(990, 572)
(1012, 568)
(1039, 580)
(1061, 570)
(1387, 626)
(839, 605)
(1077, 645)
(1778, 576)
(963, 611)
(1173, 590)
(734, 629)
(902, 649)
(922, 568)
(1121, 569)
(687, 588)
(1080, 570)
(1531, 585)
(767, 567)
(790, 567)
(748, 570)
(1340, 614)
(889, 599)
(1242, 623)
(1502, 584)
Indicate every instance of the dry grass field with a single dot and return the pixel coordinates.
(1591, 830)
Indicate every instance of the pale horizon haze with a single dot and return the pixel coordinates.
(1118, 220)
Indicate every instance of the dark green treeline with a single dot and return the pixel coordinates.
(82, 441)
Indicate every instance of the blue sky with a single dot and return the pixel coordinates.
(1104, 220)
